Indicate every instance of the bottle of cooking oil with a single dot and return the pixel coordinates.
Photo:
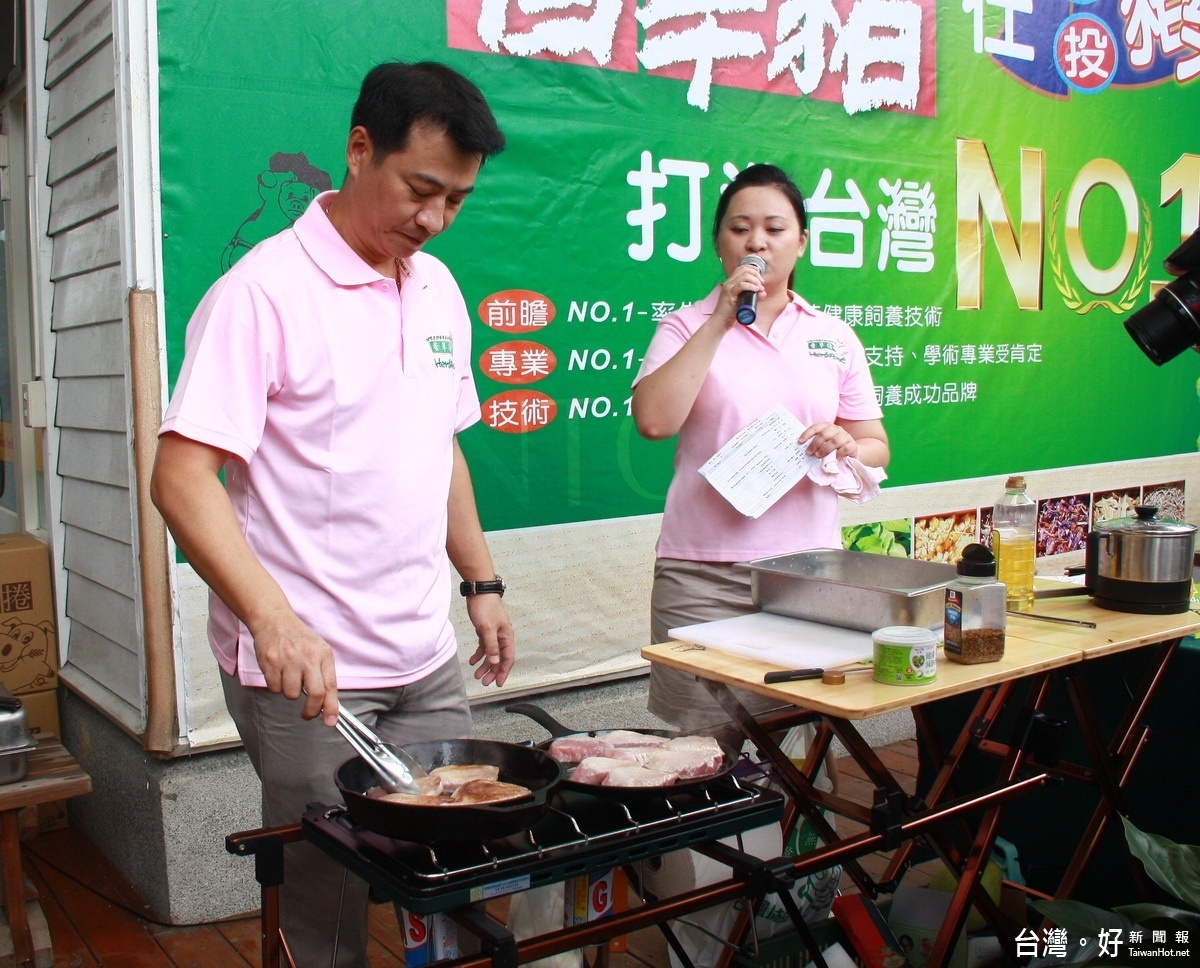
(1014, 536)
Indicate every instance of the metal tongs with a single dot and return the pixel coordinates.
(398, 772)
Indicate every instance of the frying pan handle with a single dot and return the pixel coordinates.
(541, 717)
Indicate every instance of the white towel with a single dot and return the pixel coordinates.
(849, 476)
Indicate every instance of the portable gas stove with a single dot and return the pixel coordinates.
(578, 834)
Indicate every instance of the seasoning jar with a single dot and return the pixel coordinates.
(975, 609)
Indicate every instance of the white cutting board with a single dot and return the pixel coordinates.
(788, 642)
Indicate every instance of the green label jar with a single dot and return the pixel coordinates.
(905, 655)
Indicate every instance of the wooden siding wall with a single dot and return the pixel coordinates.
(91, 360)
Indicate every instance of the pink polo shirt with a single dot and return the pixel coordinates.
(338, 396)
(810, 362)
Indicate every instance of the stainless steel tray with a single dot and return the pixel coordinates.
(851, 589)
(14, 763)
(16, 742)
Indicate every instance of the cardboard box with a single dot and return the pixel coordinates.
(52, 816)
(28, 639)
(41, 711)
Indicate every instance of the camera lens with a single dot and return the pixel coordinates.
(1171, 322)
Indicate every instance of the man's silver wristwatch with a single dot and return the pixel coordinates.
(494, 586)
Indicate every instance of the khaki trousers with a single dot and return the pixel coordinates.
(296, 760)
(688, 593)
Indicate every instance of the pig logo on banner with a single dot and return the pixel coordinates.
(285, 189)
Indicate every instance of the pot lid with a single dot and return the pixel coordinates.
(1147, 522)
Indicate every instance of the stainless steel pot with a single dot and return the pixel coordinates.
(1141, 564)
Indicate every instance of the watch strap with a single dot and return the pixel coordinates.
(493, 586)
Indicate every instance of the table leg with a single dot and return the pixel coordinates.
(1136, 710)
(968, 871)
(895, 814)
(1113, 763)
(986, 709)
(796, 784)
(969, 883)
(14, 888)
(764, 877)
(1015, 755)
(266, 846)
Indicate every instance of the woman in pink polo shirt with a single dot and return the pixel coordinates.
(706, 376)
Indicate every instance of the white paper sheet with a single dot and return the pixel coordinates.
(761, 463)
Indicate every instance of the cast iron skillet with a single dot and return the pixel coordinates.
(557, 730)
(526, 765)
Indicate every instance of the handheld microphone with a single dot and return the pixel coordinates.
(747, 305)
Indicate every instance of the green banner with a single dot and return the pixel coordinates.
(993, 186)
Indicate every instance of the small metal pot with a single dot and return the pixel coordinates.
(1141, 564)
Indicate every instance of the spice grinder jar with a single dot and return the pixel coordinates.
(1141, 564)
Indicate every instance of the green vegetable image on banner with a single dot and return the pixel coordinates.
(880, 537)
(990, 192)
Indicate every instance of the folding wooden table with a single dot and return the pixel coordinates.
(1037, 654)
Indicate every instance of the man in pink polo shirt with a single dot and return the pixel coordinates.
(328, 374)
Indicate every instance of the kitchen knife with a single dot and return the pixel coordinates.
(793, 675)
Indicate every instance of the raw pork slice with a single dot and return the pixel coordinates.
(577, 747)
(638, 776)
(688, 764)
(594, 769)
(628, 738)
(707, 743)
(455, 775)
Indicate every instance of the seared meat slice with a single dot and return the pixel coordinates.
(455, 775)
(430, 785)
(489, 791)
(414, 799)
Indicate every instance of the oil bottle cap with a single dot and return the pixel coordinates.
(1015, 482)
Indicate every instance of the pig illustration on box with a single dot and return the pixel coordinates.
(23, 651)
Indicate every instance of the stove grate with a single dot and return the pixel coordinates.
(579, 833)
